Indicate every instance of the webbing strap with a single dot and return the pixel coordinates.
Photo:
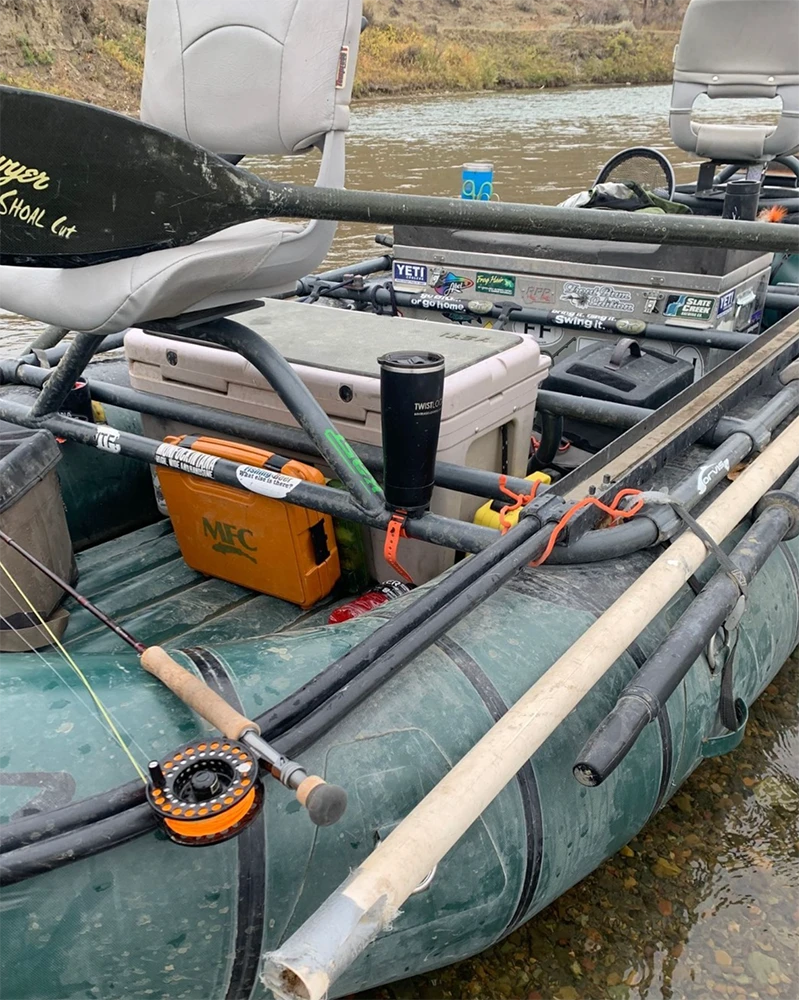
(22, 638)
(707, 540)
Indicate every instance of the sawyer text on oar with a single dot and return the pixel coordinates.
(16, 207)
(12, 170)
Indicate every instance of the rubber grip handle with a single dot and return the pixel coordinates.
(326, 804)
(611, 741)
(196, 694)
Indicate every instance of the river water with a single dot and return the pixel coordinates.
(705, 902)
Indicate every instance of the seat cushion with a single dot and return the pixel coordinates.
(240, 263)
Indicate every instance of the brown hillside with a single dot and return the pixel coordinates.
(509, 15)
(88, 49)
(93, 49)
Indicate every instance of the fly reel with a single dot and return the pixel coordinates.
(206, 792)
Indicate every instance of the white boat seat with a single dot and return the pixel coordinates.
(738, 49)
(254, 76)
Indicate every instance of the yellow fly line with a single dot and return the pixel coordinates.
(95, 698)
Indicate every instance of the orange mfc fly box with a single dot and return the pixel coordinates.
(255, 541)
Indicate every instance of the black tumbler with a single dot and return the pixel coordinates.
(411, 388)
(741, 200)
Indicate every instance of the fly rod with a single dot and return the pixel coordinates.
(209, 771)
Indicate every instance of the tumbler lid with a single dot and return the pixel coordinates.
(412, 361)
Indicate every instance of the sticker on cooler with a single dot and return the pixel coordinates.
(265, 482)
(107, 439)
(726, 302)
(495, 284)
(410, 274)
(535, 295)
(698, 307)
(184, 460)
(583, 296)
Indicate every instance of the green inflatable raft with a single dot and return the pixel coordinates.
(151, 918)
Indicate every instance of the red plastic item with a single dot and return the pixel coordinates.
(372, 599)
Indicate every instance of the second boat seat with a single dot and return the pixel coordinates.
(738, 49)
(256, 76)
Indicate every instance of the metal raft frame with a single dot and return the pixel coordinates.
(364, 504)
(628, 461)
(302, 718)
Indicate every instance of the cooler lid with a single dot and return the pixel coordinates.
(603, 253)
(350, 342)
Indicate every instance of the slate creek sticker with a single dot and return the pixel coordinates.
(410, 274)
(495, 284)
(265, 482)
(185, 460)
(689, 306)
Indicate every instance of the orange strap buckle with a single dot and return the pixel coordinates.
(614, 512)
(521, 500)
(394, 532)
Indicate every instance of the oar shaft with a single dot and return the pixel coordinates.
(306, 965)
(376, 207)
(84, 603)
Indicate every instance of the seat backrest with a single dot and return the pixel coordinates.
(740, 49)
(250, 76)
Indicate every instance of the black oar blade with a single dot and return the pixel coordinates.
(80, 185)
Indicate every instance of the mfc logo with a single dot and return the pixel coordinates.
(410, 274)
(230, 540)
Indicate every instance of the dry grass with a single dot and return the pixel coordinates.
(87, 49)
(93, 49)
(396, 60)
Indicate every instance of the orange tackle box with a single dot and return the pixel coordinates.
(255, 541)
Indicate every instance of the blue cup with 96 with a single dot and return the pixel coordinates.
(477, 181)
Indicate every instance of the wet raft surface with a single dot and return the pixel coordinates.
(142, 581)
(703, 903)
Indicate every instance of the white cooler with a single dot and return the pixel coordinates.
(492, 380)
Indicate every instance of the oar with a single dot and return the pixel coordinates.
(325, 803)
(80, 185)
(306, 965)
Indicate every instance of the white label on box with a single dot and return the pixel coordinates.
(265, 482)
(185, 460)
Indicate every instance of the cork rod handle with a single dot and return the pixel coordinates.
(196, 694)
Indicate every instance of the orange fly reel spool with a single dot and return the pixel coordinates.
(206, 791)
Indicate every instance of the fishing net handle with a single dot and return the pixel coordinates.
(196, 694)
